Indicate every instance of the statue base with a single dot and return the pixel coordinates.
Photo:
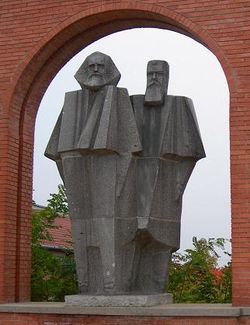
(119, 300)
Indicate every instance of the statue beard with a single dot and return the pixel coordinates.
(95, 81)
(154, 95)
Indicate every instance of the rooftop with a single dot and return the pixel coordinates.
(60, 234)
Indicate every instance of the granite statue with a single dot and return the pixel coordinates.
(171, 146)
(92, 144)
(125, 162)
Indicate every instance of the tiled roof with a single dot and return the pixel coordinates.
(60, 234)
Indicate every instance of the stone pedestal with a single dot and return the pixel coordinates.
(119, 300)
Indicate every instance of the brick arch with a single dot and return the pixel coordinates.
(66, 39)
(31, 79)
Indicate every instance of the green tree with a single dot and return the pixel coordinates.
(195, 276)
(52, 276)
(58, 203)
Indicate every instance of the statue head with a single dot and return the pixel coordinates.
(157, 82)
(97, 71)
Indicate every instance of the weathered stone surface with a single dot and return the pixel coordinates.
(168, 310)
(171, 146)
(119, 301)
(125, 163)
(92, 143)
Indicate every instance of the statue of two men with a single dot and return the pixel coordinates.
(125, 163)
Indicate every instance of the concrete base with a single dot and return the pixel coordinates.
(119, 301)
(205, 311)
(171, 314)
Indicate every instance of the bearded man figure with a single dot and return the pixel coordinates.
(92, 145)
(171, 145)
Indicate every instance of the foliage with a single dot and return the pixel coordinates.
(195, 276)
(52, 276)
(42, 220)
(58, 201)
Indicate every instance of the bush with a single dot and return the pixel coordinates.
(195, 276)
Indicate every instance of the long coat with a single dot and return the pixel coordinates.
(172, 145)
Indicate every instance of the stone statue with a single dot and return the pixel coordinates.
(92, 144)
(171, 145)
(125, 163)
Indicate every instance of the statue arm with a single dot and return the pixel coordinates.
(60, 168)
(51, 151)
(184, 170)
(182, 136)
(128, 135)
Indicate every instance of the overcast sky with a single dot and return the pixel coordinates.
(194, 72)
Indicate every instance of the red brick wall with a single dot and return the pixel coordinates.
(37, 38)
(33, 319)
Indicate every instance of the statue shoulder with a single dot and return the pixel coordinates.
(137, 98)
(122, 91)
(71, 98)
(73, 93)
(123, 98)
(181, 102)
(179, 98)
(137, 102)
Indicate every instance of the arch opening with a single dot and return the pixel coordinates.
(207, 198)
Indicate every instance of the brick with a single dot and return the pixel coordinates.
(36, 319)
(37, 38)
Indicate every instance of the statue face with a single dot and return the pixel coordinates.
(157, 82)
(97, 71)
(155, 74)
